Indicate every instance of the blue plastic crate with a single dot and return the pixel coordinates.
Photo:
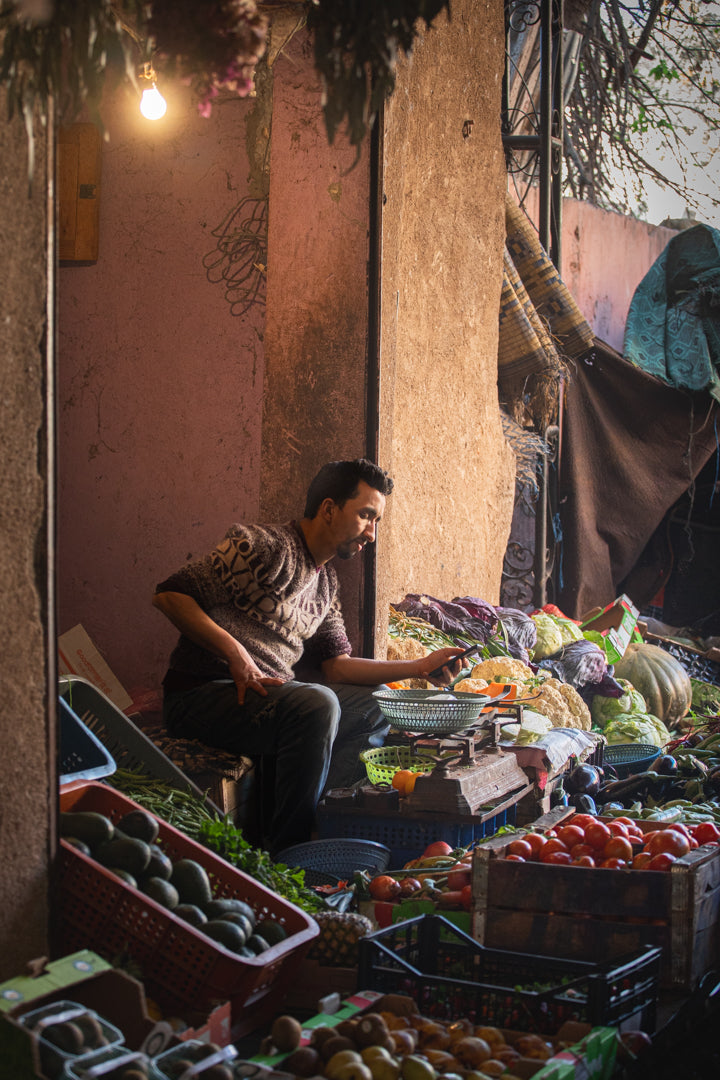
(406, 836)
(82, 755)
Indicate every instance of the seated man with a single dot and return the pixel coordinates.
(245, 613)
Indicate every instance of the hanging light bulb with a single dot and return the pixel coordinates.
(153, 105)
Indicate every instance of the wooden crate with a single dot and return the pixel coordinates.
(586, 913)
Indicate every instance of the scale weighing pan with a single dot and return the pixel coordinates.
(439, 712)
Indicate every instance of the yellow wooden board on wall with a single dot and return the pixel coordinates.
(79, 158)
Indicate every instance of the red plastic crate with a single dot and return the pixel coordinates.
(181, 968)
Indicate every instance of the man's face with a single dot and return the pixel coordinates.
(354, 524)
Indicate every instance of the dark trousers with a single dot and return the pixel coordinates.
(312, 734)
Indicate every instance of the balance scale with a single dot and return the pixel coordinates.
(472, 773)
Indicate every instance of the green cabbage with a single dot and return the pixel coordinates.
(569, 630)
(549, 636)
(637, 727)
(605, 709)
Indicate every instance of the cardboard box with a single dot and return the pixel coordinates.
(85, 978)
(77, 655)
(616, 624)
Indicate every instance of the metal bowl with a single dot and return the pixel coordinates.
(436, 711)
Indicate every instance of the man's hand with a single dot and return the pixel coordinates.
(246, 676)
(443, 658)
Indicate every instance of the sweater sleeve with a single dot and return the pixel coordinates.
(199, 581)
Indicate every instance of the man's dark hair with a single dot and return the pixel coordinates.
(339, 480)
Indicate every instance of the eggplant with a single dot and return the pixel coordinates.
(559, 797)
(665, 765)
(584, 804)
(583, 780)
(620, 790)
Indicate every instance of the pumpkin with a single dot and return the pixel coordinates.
(660, 678)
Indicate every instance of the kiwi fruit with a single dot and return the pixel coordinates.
(67, 1036)
(219, 1071)
(285, 1033)
(92, 1031)
(304, 1061)
(332, 1046)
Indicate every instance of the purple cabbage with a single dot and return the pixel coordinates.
(452, 618)
(583, 664)
(520, 629)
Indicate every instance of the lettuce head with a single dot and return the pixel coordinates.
(605, 709)
(637, 727)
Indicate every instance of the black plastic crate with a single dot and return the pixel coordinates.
(698, 666)
(450, 975)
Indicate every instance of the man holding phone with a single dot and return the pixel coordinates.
(246, 614)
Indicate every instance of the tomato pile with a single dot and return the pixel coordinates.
(441, 874)
(619, 844)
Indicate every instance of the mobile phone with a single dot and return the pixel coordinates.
(461, 656)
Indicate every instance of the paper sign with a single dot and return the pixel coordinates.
(77, 655)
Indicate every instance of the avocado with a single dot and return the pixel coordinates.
(123, 875)
(192, 883)
(160, 865)
(88, 826)
(273, 932)
(238, 919)
(125, 853)
(218, 907)
(257, 944)
(191, 913)
(225, 933)
(79, 845)
(161, 891)
(140, 825)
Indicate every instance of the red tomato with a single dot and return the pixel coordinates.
(613, 864)
(536, 841)
(706, 832)
(384, 887)
(582, 820)
(663, 861)
(642, 860)
(583, 860)
(439, 847)
(670, 841)
(571, 835)
(520, 847)
(618, 847)
(618, 828)
(515, 858)
(459, 878)
(597, 835)
(627, 821)
(558, 858)
(553, 846)
(466, 897)
(579, 850)
(679, 827)
(550, 834)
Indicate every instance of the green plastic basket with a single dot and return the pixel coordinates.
(383, 762)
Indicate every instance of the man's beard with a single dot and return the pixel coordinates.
(346, 549)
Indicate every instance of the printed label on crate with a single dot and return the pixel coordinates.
(593, 1058)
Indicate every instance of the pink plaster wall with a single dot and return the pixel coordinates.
(605, 256)
(314, 407)
(160, 387)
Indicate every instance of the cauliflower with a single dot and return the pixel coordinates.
(502, 669)
(577, 707)
(405, 649)
(548, 700)
(470, 686)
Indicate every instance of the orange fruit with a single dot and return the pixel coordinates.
(404, 781)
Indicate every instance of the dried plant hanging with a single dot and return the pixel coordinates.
(239, 259)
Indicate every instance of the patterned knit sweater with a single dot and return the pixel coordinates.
(260, 584)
